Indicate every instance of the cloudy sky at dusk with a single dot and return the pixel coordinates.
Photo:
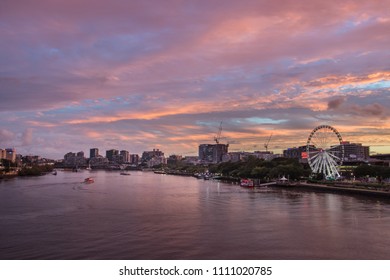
(139, 75)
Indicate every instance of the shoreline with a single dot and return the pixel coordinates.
(346, 189)
(8, 176)
(338, 189)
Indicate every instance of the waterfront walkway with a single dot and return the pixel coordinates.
(338, 188)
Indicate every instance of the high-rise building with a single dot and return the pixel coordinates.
(153, 158)
(10, 154)
(112, 154)
(295, 152)
(69, 155)
(147, 155)
(174, 159)
(354, 151)
(75, 160)
(98, 162)
(3, 154)
(134, 159)
(206, 152)
(94, 152)
(125, 156)
(212, 153)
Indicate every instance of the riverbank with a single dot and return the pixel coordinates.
(7, 176)
(346, 188)
(351, 189)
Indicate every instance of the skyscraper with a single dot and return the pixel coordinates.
(112, 154)
(11, 154)
(94, 152)
(212, 153)
(125, 156)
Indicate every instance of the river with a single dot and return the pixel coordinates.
(154, 216)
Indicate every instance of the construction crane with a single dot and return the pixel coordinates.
(216, 138)
(266, 143)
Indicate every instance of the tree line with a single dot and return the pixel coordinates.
(380, 172)
(253, 167)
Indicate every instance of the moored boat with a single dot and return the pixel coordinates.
(250, 183)
(247, 183)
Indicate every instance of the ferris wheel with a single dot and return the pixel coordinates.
(325, 151)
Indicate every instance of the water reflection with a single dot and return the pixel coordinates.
(150, 216)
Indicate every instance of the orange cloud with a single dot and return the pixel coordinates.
(335, 82)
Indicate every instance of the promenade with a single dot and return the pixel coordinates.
(340, 188)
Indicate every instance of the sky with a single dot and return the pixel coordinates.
(138, 75)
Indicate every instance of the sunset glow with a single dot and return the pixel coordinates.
(138, 75)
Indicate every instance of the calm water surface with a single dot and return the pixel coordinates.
(151, 216)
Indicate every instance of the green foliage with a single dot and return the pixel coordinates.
(253, 167)
(35, 170)
(260, 172)
(372, 171)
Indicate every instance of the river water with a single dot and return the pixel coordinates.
(152, 216)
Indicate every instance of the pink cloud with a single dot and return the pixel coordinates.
(149, 66)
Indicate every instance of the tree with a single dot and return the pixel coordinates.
(293, 171)
(260, 172)
(365, 170)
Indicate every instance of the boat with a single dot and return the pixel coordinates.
(250, 183)
(204, 176)
(198, 175)
(247, 183)
(89, 180)
(54, 172)
(125, 173)
(160, 172)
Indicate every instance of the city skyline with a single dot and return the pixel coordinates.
(138, 76)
